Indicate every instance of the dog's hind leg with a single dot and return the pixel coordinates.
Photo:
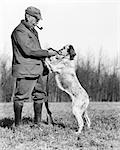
(78, 116)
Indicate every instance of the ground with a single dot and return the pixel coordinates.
(104, 133)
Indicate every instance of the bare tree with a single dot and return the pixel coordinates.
(6, 82)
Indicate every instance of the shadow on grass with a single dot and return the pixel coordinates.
(63, 125)
(59, 124)
(8, 122)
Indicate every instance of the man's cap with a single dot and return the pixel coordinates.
(35, 12)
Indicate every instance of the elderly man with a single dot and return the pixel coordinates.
(28, 65)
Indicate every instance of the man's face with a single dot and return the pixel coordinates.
(33, 20)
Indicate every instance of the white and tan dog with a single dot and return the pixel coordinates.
(63, 65)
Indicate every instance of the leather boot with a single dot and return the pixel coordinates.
(37, 112)
(18, 112)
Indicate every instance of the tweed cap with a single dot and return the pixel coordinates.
(35, 12)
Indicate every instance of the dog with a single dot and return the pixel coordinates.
(64, 67)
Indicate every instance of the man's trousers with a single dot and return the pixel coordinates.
(26, 89)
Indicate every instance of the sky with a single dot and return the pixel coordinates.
(91, 26)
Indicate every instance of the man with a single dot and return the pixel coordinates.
(28, 65)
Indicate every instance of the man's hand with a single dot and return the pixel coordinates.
(51, 49)
(52, 52)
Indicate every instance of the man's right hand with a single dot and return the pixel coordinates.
(52, 52)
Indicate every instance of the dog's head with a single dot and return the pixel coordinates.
(66, 52)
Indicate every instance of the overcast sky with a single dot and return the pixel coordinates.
(88, 25)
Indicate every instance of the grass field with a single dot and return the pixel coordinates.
(104, 133)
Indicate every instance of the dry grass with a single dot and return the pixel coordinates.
(103, 135)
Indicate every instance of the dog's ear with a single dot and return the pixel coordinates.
(71, 52)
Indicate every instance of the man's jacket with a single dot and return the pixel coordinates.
(27, 53)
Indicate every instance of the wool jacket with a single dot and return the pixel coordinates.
(27, 53)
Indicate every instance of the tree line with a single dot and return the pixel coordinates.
(100, 84)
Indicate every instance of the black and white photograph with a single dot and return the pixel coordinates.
(60, 75)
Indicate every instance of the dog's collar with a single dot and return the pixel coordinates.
(64, 55)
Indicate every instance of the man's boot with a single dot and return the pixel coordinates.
(18, 112)
(37, 112)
